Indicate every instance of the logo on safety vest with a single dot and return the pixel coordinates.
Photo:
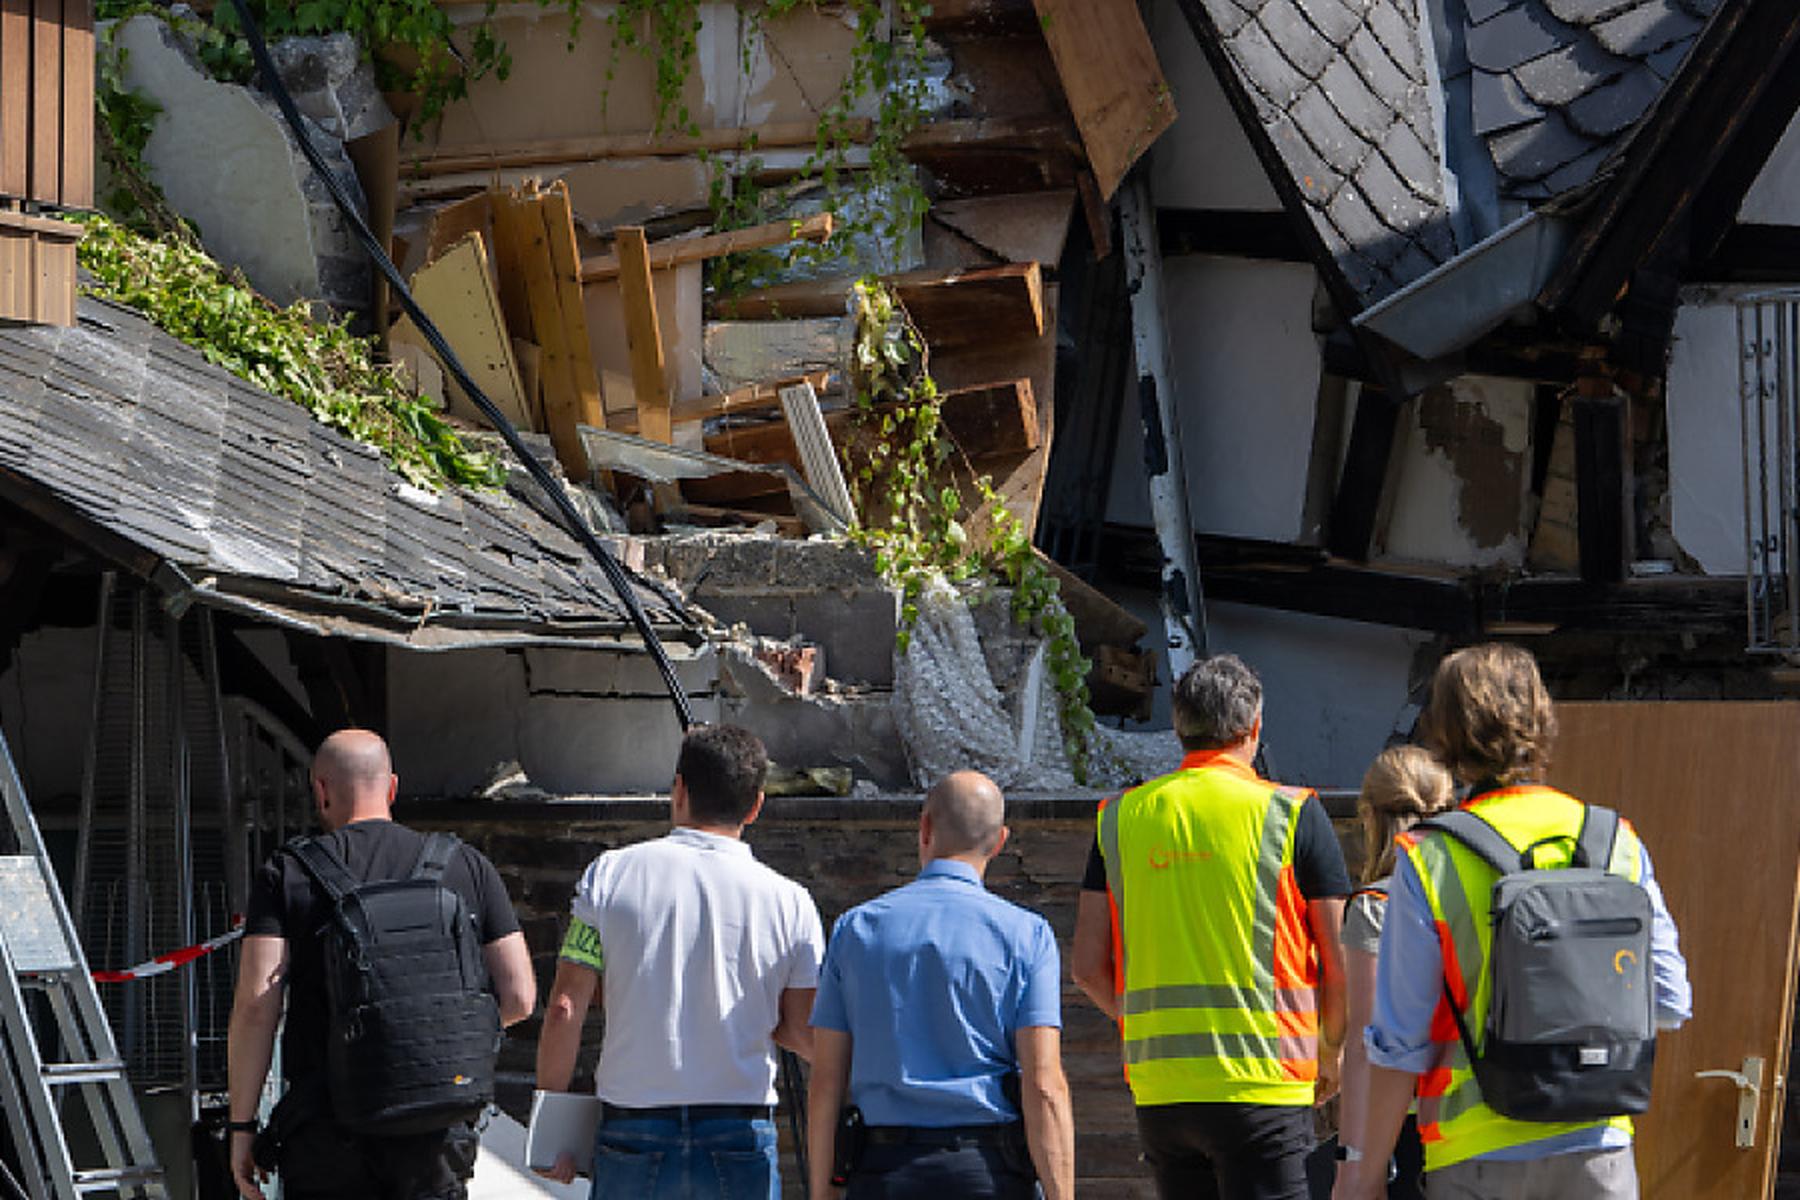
(1619, 960)
(1162, 858)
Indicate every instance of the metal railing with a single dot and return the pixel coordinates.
(1768, 327)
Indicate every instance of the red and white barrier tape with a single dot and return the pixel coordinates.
(173, 959)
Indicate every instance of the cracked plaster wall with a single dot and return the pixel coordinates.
(1462, 494)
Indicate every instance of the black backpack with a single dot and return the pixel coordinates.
(1571, 1030)
(413, 1030)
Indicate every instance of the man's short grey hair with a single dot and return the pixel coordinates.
(1216, 703)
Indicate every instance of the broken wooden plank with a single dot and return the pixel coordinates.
(456, 221)
(1032, 227)
(565, 261)
(643, 335)
(457, 293)
(818, 458)
(1111, 79)
(553, 152)
(994, 155)
(739, 353)
(1099, 620)
(673, 252)
(984, 304)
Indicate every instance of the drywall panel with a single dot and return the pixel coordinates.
(1204, 160)
(1706, 455)
(1462, 493)
(579, 722)
(1246, 369)
(1774, 199)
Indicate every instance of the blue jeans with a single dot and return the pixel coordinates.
(684, 1158)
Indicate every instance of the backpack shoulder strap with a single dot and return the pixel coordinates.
(1599, 832)
(322, 863)
(1480, 837)
(434, 856)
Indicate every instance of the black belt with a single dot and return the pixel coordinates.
(690, 1112)
(948, 1136)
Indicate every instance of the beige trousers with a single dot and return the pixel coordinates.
(1582, 1175)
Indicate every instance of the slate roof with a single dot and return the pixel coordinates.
(1345, 91)
(1341, 86)
(1556, 84)
(143, 437)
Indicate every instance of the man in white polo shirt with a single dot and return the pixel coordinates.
(705, 961)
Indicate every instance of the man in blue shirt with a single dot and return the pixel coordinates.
(930, 998)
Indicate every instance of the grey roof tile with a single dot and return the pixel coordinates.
(1518, 35)
(1376, 66)
(1498, 103)
(1534, 151)
(1648, 28)
(1394, 203)
(1337, 143)
(1262, 63)
(1334, 19)
(1613, 107)
(1395, 26)
(1299, 41)
(1353, 216)
(1483, 10)
(1365, 112)
(1412, 160)
(1566, 75)
(1668, 60)
(1580, 171)
(1587, 12)
(125, 425)
(1317, 180)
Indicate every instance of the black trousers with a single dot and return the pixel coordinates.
(936, 1173)
(320, 1161)
(1227, 1151)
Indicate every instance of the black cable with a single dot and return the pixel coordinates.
(572, 520)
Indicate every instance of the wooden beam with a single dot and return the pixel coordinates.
(1363, 481)
(1230, 233)
(77, 165)
(1601, 486)
(15, 98)
(673, 252)
(562, 151)
(990, 155)
(1111, 80)
(46, 101)
(565, 262)
(643, 335)
(984, 422)
(1752, 254)
(981, 304)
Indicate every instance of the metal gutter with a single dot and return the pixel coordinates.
(1454, 305)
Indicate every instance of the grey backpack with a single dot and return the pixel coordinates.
(1571, 1031)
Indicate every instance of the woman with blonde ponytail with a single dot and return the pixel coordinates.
(1403, 786)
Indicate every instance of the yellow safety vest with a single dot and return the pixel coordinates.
(1214, 956)
(1454, 1123)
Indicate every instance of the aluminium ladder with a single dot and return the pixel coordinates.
(41, 957)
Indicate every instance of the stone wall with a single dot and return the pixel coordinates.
(844, 852)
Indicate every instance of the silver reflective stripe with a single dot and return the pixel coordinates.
(1220, 1045)
(1227, 996)
(1282, 806)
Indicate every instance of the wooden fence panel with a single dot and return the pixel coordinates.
(46, 101)
(15, 96)
(77, 104)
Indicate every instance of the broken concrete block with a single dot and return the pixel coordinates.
(223, 156)
(854, 729)
(856, 628)
(331, 83)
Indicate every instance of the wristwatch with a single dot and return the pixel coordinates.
(252, 1125)
(1348, 1153)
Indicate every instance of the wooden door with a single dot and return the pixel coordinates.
(1714, 789)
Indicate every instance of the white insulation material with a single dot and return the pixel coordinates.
(953, 717)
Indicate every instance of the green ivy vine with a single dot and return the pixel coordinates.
(889, 66)
(321, 366)
(909, 512)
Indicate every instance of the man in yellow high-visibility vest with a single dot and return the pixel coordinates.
(1208, 928)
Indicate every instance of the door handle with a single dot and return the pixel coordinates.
(1749, 1083)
